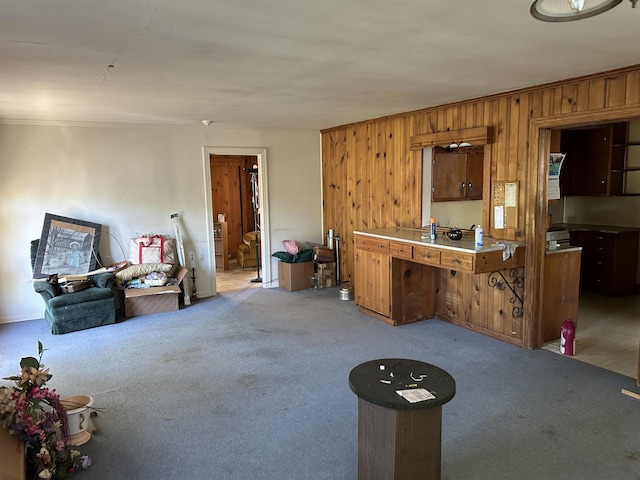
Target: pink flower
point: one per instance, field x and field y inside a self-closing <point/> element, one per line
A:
<point x="39" y="393"/>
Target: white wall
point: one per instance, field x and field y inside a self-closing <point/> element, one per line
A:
<point x="131" y="179"/>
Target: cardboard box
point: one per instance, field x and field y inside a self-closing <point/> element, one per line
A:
<point x="328" y="271"/>
<point x="11" y="457"/>
<point x="143" y="301"/>
<point x="294" y="276"/>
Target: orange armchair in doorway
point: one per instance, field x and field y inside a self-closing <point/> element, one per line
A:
<point x="247" y="250"/>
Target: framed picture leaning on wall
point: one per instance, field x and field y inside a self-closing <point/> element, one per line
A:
<point x="67" y="247"/>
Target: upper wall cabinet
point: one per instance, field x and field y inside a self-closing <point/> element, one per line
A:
<point x="600" y="161"/>
<point x="456" y="175"/>
<point x="631" y="173"/>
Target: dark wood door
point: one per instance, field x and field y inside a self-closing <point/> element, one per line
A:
<point x="475" y="164"/>
<point x="593" y="157"/>
<point x="448" y="176"/>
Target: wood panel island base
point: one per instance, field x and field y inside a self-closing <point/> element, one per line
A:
<point x="401" y="277"/>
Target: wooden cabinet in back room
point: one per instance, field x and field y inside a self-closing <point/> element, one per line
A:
<point x="609" y="260"/>
<point x="595" y="160"/>
<point x="456" y="175"/>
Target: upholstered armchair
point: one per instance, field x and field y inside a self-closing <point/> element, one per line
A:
<point x="247" y="250"/>
<point x="68" y="312"/>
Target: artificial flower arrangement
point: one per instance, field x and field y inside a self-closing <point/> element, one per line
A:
<point x="33" y="413"/>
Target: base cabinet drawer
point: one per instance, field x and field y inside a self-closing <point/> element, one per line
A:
<point x="401" y="250"/>
<point x="457" y="261"/>
<point x="371" y="244"/>
<point x="426" y="255"/>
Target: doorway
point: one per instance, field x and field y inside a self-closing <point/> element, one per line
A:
<point x="260" y="156"/>
<point x="231" y="198"/>
<point x="607" y="333"/>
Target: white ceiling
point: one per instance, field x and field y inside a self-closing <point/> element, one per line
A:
<point x="285" y="63"/>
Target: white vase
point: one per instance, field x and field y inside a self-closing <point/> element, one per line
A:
<point x="78" y="415"/>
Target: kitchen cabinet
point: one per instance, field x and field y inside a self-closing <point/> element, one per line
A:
<point x="609" y="260"/>
<point x="400" y="277"/>
<point x="631" y="171"/>
<point x="456" y="175"/>
<point x="595" y="162"/>
<point x="372" y="274"/>
<point x="390" y="284"/>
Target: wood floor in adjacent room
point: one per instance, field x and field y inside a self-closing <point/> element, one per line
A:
<point x="236" y="278"/>
<point x="607" y="332"/>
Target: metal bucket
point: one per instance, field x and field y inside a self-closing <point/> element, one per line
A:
<point x="346" y="293"/>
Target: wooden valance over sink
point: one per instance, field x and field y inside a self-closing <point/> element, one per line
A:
<point x="474" y="136"/>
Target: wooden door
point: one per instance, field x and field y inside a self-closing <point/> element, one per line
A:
<point x="448" y="176"/>
<point x="475" y="173"/>
<point x="231" y="195"/>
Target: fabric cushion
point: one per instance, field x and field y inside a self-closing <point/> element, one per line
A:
<point x="134" y="271"/>
<point x="88" y="295"/>
<point x="291" y="246"/>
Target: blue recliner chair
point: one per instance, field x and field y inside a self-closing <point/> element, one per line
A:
<point x="69" y="312"/>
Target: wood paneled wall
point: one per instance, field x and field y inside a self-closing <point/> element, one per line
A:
<point x="371" y="178"/>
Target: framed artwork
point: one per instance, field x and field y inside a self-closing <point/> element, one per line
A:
<point x="67" y="247"/>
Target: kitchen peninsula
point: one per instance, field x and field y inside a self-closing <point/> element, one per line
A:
<point x="402" y="276"/>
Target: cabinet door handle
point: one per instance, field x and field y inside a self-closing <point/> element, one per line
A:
<point x="469" y="185"/>
<point x="462" y="187"/>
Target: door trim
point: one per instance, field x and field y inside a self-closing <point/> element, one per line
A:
<point x="265" y="235"/>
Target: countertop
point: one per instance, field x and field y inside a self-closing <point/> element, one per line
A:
<point x="563" y="249"/>
<point x="592" y="228"/>
<point x="421" y="237"/>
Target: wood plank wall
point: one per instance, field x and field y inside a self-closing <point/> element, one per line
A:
<point x="371" y="179"/>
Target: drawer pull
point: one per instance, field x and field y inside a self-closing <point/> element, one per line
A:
<point x="456" y="260"/>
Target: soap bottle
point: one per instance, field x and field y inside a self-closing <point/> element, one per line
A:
<point x="479" y="234"/>
<point x="432" y="232"/>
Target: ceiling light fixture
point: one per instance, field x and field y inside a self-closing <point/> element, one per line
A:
<point x="458" y="145"/>
<point x="206" y="123"/>
<point x="570" y="10"/>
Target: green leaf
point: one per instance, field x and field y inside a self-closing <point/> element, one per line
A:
<point x="41" y="348"/>
<point x="27" y="362"/>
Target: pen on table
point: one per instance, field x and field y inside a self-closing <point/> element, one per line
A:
<point x="388" y="382"/>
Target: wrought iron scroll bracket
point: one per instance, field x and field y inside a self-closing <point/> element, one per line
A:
<point x="514" y="282"/>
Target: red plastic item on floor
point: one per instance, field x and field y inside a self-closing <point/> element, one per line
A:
<point x="568" y="338"/>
